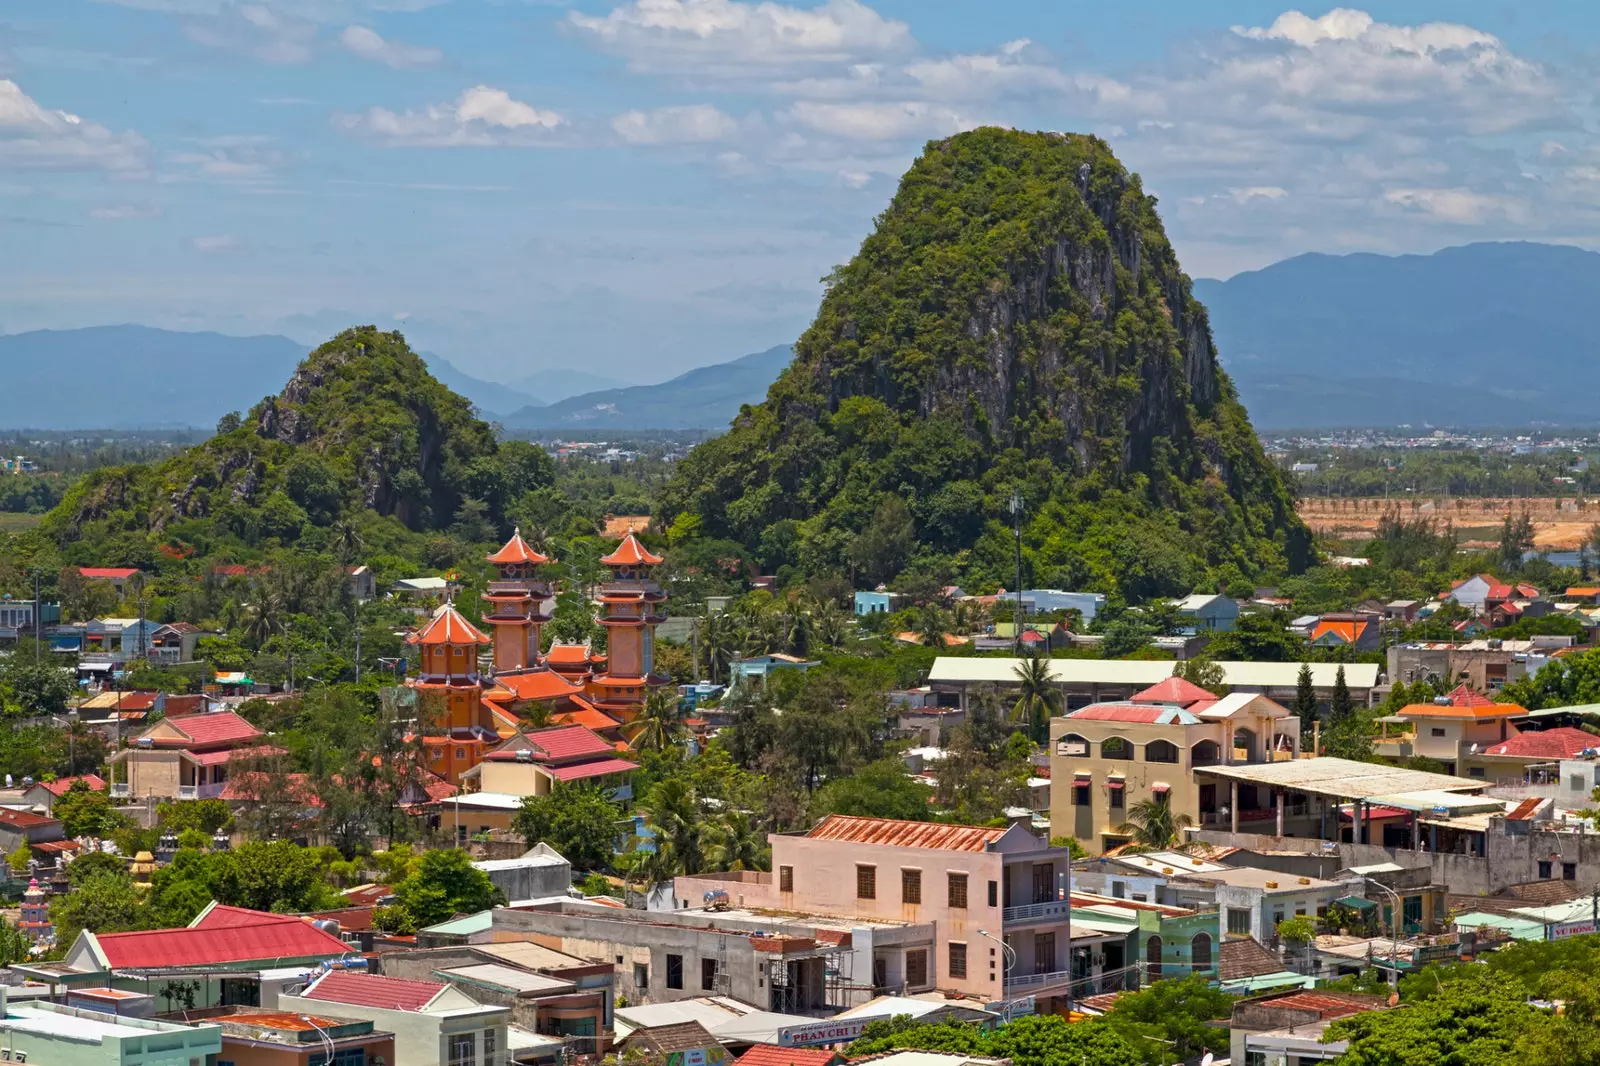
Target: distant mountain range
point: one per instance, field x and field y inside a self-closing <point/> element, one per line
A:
<point x="705" y="398"/>
<point x="1480" y="335"/>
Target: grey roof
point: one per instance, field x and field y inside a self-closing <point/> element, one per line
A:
<point x="1344" y="779"/>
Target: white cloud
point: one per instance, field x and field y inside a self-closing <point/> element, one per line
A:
<point x="729" y="38"/>
<point x="480" y="117"/>
<point x="880" y="122"/>
<point x="262" y="31"/>
<point x="34" y="137"/>
<point x="209" y="245"/>
<point x="366" y="43"/>
<point x="1257" y="192"/>
<point x="694" y="124"/>
<point x="126" y="212"/>
<point x="1460" y="206"/>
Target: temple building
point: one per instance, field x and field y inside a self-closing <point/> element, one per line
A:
<point x="457" y="724"/>
<point x="519" y="601"/>
<point x="35" y="919"/>
<point x="630" y="611"/>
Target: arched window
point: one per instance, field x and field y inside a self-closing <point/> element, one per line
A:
<point x="1244" y="745"/>
<point x="1152" y="957"/>
<point x="1200" y="953"/>
<point x="1072" y="744"/>
<point x="1161" y="751"/>
<point x="1116" y="748"/>
<point x="1205" y="753"/>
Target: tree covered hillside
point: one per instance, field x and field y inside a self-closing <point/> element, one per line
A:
<point x="362" y="438"/>
<point x="1017" y="321"/>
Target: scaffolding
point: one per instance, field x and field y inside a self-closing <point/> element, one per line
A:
<point x="805" y="981"/>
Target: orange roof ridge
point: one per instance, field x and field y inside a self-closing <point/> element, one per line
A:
<point x="895" y="832"/>
<point x="631" y="553"/>
<point x="448" y="627"/>
<point x="517" y="550"/>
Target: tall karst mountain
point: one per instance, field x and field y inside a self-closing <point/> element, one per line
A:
<point x="1017" y="321"/>
<point x="362" y="434"/>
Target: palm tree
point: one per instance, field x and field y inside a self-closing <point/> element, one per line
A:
<point x="659" y="724"/>
<point x="736" y="841"/>
<point x="346" y="537"/>
<point x="719" y="642"/>
<point x="932" y="625"/>
<point x="1153" y="826"/>
<point x="672" y="814"/>
<point x="1037" y="697"/>
<point x="830" y="624"/>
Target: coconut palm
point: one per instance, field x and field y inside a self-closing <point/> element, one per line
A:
<point x="830" y="625"/>
<point x="1037" y="697"/>
<point x="737" y="841"/>
<point x="719" y="642"/>
<point x="932" y="625"/>
<point x="672" y="815"/>
<point x="658" y="726"/>
<point x="345" y="538"/>
<point x="1152" y="825"/>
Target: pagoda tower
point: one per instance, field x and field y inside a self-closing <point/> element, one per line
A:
<point x="35" y="920"/>
<point x="465" y="725"/>
<point x="519" y="600"/>
<point x="630" y="610"/>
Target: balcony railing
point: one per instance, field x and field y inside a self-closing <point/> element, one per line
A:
<point x="622" y="792"/>
<point x="1038" y="980"/>
<point x="188" y="792"/>
<point x="1055" y="908"/>
<point x="211" y="791"/>
<point x="120" y="790"/>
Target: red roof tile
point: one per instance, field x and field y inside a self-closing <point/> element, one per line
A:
<point x="1564" y="742"/>
<point x="1156" y="714"/>
<point x="24" y="819"/>
<point x="448" y="627"/>
<point x="114" y="573"/>
<point x="568" y="741"/>
<point x="1325" y="1004"/>
<point x="517" y="550"/>
<point x="773" y="1055"/>
<point x="902" y="834"/>
<point x="223" y="916"/>
<point x="568" y="654"/>
<point x="372" y="990"/>
<point x="588" y="716"/>
<point x="631" y="553"/>
<point x="583" y="770"/>
<point x="270" y="939"/>
<point x="137" y="701"/>
<point x="221" y="727"/>
<point x="1174" y="690"/>
<point x="59" y="786"/>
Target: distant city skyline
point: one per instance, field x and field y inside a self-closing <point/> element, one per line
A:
<point x="638" y="187"/>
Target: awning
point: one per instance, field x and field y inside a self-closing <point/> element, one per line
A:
<point x="1160" y="786"/>
<point x="1113" y="784"/>
<point x="95" y="668"/>
<point x="1356" y="903"/>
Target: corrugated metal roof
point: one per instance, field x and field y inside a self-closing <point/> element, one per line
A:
<point x="1343" y="778"/>
<point x="1134" y="712"/>
<point x="372" y="990"/>
<point x="895" y="833"/>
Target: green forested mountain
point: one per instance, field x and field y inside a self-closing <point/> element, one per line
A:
<point x="1017" y="321"/>
<point x="361" y="434"/>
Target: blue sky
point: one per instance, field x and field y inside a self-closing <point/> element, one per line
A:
<point x="637" y="187"/>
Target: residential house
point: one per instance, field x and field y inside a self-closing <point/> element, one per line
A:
<point x="433" y="1022"/>
<point x="877" y="602"/>
<point x="1406" y="611"/>
<point x="1454" y="729"/>
<point x="1287" y="1027"/>
<point x="1208" y="612"/>
<point x="1481" y="593"/>
<point x="1049" y="601"/>
<point x="1245" y="967"/>
<point x="19" y="616"/>
<point x="961" y="879"/>
<point x="1108" y="757"/>
<point x="118" y="640"/>
<point x="245" y="954"/>
<point x="42" y="795"/>
<point x="684" y="1042"/>
<point x="188" y="757"/>
<point x="1487" y="665"/>
<point x="115" y="576"/>
<point x="760" y="667"/>
<point x="533" y="762"/>
<point x="255" y="1037"/>
<point x="44" y="836"/>
<point x="537" y="873"/>
<point x="1347" y="629"/>
<point x="548" y="991"/>
<point x="174" y="643"/>
<point x="130" y="708"/>
<point x="51" y="1034"/>
<point x="362" y="583"/>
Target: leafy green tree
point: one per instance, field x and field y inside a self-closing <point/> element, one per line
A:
<point x="85" y="813"/>
<point x="1480" y="1017"/>
<point x="206" y="816"/>
<point x="90" y="863"/>
<point x="1040" y="1040"/>
<point x="1305" y="701"/>
<point x="1203" y="672"/>
<point x="660" y="723"/>
<point x="446" y="884"/>
<point x="36" y="690"/>
<point x="578" y="821"/>
<point x="879" y="789"/>
<point x="737" y="841"/>
<point x="1340" y="706"/>
<point x="272" y="875"/>
<point x="101" y="903"/>
<point x="1258" y="638"/>
<point x="1171" y="1020"/>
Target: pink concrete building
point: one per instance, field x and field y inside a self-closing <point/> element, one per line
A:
<point x="998" y="900"/>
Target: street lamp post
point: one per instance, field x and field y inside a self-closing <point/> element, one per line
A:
<point x="327" y="1041"/>
<point x="1394" y="930"/>
<point x="1009" y="954"/>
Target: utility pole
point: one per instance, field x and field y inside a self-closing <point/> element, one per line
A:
<point x="38" y="618"/>
<point x="358" y="644"/>
<point x="1016" y="528"/>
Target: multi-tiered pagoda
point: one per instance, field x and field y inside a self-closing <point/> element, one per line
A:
<point x="631" y="608"/>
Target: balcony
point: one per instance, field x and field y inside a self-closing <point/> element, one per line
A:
<point x="120" y="790"/>
<point x="622" y="792"/>
<point x="1051" y="910"/>
<point x="1034" y="981"/>
<point x="211" y="791"/>
<point x="188" y="792"/>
